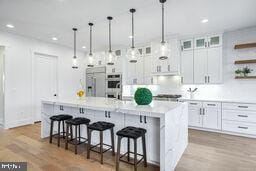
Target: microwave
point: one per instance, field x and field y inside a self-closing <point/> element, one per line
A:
<point x="114" y="81"/>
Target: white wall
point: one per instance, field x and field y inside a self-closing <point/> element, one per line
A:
<point x="1" y="86"/>
<point x="18" y="75"/>
<point x="231" y="88"/>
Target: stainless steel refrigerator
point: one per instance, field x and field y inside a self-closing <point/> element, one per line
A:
<point x="96" y="82"/>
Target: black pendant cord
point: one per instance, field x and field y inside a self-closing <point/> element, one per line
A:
<point x="163" y="23"/>
<point x="132" y="11"/>
<point x="109" y="34"/>
<point x="74" y="29"/>
<point x="90" y="24"/>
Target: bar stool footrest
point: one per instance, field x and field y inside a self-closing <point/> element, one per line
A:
<point x="92" y="148"/>
<point x="74" y="141"/>
<point x="126" y="161"/>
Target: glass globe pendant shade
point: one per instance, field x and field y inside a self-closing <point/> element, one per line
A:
<point x="133" y="55"/>
<point x="163" y="51"/>
<point x="75" y="63"/>
<point x="90" y="60"/>
<point x="110" y="58"/>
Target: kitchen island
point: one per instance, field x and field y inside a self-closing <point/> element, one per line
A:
<point x="166" y="124"/>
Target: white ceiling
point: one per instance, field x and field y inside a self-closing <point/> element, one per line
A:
<point x="43" y="19"/>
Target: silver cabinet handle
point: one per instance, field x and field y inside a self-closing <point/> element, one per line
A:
<point x="243" y="116"/>
<point x="243" y="106"/>
<point x="106" y="114"/>
<point x="242" y="127"/>
<point x="145" y="119"/>
<point x="62" y="108"/>
<point x="200" y="111"/>
<point x="140" y="119"/>
<point x="208" y="79"/>
<point x="152" y="80"/>
<point x="160" y="69"/>
<point x="211" y="104"/>
<point x="193" y="103"/>
<point x="169" y="68"/>
<point x="181" y="80"/>
<point x="109" y="116"/>
<point x="203" y="111"/>
<point x="205" y="79"/>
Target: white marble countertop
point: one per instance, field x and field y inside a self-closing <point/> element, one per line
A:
<point x="251" y="101"/>
<point x="105" y="104"/>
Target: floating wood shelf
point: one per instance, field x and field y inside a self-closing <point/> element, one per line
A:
<point x="248" y="77"/>
<point x="250" y="61"/>
<point x="247" y="45"/>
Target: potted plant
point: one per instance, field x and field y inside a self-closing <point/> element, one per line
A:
<point x="238" y="72"/>
<point x="246" y="71"/>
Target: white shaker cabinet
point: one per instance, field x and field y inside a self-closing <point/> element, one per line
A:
<point x="204" y="115"/>
<point x="203" y="55"/>
<point x="187" y="69"/>
<point x="117" y="67"/>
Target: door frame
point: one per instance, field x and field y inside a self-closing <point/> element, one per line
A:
<point x="33" y="56"/>
<point x="3" y="125"/>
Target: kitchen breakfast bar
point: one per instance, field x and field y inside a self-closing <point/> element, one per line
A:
<point x="166" y="124"/>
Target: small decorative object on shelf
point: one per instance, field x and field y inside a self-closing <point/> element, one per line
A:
<point x="143" y="96"/>
<point x="246" y="71"/>
<point x="238" y="72"/>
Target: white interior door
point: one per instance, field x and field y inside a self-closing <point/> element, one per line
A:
<point x="45" y="81"/>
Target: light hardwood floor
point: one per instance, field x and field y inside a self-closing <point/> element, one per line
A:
<point x="205" y="152"/>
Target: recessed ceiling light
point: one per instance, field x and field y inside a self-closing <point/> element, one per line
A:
<point x="84" y="47"/>
<point x="130" y="37"/>
<point x="204" y="21"/>
<point x="54" y="38"/>
<point x="9" y="25"/>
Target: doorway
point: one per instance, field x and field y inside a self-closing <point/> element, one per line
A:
<point x="44" y="81"/>
<point x="1" y="86"/>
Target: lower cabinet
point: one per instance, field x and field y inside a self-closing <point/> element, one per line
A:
<point x="204" y="114"/>
<point x="239" y="118"/>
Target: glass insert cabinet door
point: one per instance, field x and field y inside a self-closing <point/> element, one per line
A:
<point x="215" y="40"/>
<point x="200" y="42"/>
<point x="187" y="44"/>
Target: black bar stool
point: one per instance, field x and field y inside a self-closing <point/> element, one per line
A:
<point x="77" y="140"/>
<point x="131" y="133"/>
<point x="59" y="119"/>
<point x="100" y="126"/>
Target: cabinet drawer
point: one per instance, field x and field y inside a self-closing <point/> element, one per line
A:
<point x="239" y="115"/>
<point x="193" y="104"/>
<point x="211" y="104"/>
<point x="239" y="106"/>
<point x="239" y="127"/>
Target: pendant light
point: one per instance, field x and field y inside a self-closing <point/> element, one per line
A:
<point x="164" y="49"/>
<point x="75" y="63"/>
<point x="90" y="55"/>
<point x="110" y="56"/>
<point x="133" y="53"/>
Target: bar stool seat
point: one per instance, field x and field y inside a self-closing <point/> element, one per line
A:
<point x="58" y="118"/>
<point x="131" y="133"/>
<point x="77" y="140"/>
<point x="101" y="126"/>
<point x="78" y="121"/>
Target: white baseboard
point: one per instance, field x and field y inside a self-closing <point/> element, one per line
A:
<point x="18" y="123"/>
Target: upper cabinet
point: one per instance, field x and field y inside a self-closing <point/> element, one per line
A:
<point x="203" y="63"/>
<point x="187" y="44"/>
